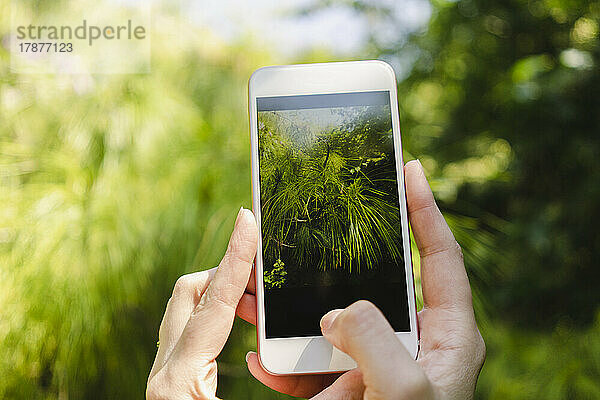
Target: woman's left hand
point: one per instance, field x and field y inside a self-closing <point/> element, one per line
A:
<point x="199" y="318"/>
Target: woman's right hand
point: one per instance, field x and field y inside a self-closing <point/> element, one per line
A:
<point x="452" y="350"/>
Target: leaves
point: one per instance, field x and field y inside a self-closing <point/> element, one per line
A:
<point x="275" y="278"/>
<point x="329" y="201"/>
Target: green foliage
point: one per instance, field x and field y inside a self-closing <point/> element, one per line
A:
<point x="275" y="278"/>
<point x="501" y="106"/>
<point x="327" y="202"/>
<point x="531" y="365"/>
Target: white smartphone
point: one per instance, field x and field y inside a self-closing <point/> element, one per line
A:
<point x="329" y="199"/>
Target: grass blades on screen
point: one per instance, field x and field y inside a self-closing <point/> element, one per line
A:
<point x="329" y="194"/>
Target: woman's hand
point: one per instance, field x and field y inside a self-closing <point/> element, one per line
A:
<point x="199" y="318"/>
<point x="452" y="351"/>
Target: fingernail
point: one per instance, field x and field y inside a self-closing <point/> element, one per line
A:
<point x="422" y="170"/>
<point x="328" y="319"/>
<point x="238" y="215"/>
<point x="420" y="165"/>
<point x="248" y="356"/>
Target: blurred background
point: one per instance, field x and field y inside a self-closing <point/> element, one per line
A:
<point x="112" y="186"/>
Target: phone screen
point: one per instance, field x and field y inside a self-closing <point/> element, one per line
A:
<point x="330" y="217"/>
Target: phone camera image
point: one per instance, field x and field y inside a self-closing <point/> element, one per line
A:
<point x="330" y="217"/>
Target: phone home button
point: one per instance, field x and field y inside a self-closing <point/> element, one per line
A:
<point x="316" y="356"/>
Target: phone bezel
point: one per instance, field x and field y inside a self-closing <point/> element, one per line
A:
<point x="280" y="356"/>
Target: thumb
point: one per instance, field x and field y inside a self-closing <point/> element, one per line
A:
<point x="362" y="332"/>
<point x="210" y="323"/>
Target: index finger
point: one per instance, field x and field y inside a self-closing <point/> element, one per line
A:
<point x="362" y="332"/>
<point x="443" y="275"/>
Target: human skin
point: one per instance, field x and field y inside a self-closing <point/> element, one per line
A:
<point x="200" y="315"/>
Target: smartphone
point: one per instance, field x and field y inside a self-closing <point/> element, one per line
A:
<point x="329" y="199"/>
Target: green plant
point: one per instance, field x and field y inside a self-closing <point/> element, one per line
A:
<point x="275" y="278"/>
<point x="330" y="201"/>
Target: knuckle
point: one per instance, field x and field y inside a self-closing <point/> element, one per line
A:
<point x="228" y="295"/>
<point x="225" y="296"/>
<point x="480" y="349"/>
<point x="421" y="204"/>
<point x="235" y="256"/>
<point x="363" y="307"/>
<point x="457" y="249"/>
<point x="183" y="286"/>
<point x="191" y="285"/>
<point x="359" y="316"/>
